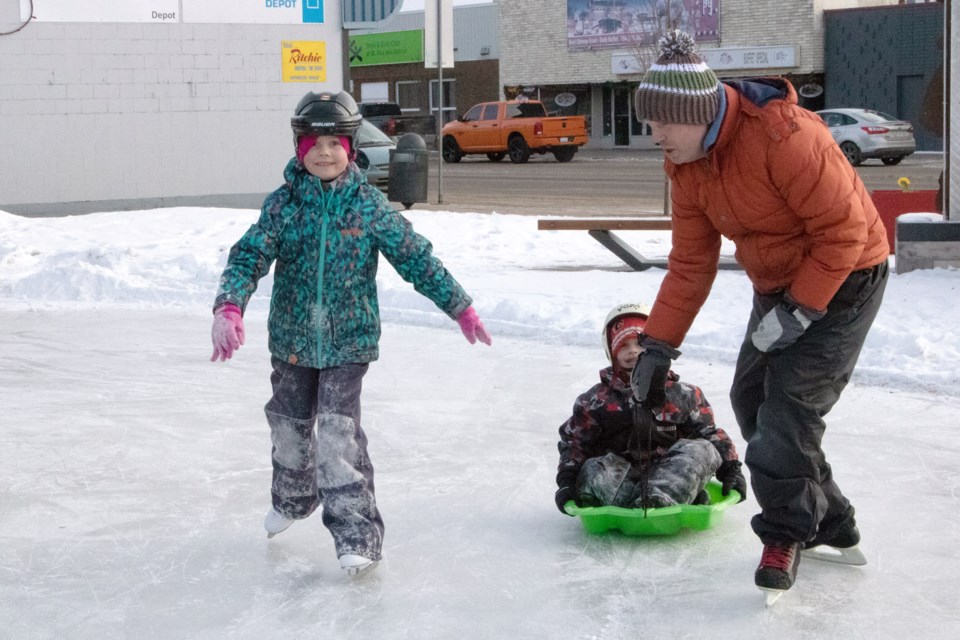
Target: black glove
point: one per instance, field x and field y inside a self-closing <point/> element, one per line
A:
<point x="563" y="495"/>
<point x="731" y="477"/>
<point x="783" y="325"/>
<point x="649" y="375"/>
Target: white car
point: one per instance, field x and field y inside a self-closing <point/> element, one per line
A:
<point x="863" y="133"/>
<point x="376" y="145"/>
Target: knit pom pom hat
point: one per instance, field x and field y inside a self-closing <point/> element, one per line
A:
<point x="679" y="88"/>
<point x="620" y="331"/>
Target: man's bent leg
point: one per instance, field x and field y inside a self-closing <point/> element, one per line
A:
<point x="791" y="478"/>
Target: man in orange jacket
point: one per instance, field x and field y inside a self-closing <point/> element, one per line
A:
<point x="747" y="163"/>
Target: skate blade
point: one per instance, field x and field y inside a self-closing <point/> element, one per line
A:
<point x="270" y="534"/>
<point x="356" y="571"/>
<point x="772" y="595"/>
<point x="851" y="555"/>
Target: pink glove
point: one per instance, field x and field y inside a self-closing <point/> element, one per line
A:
<point x="472" y="328"/>
<point x="227" y="332"/>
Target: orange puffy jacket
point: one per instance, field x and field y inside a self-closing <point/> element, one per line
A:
<point x="778" y="186"/>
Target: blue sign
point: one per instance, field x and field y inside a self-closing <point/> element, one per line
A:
<point x="312" y="11"/>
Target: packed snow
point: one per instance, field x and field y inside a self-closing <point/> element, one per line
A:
<point x="135" y="473"/>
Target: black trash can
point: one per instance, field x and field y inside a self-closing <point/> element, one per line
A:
<point x="409" y="164"/>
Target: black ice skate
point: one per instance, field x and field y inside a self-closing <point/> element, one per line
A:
<point x="778" y="569"/>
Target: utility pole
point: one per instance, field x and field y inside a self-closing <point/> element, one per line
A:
<point x="439" y="102"/>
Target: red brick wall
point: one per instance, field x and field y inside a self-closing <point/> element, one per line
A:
<point x="476" y="81"/>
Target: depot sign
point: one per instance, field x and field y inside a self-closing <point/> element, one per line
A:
<point x="209" y="11"/>
<point x="102" y="11"/>
<point x="255" y="11"/>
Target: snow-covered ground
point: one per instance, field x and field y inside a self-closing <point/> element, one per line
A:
<point x="134" y="473"/>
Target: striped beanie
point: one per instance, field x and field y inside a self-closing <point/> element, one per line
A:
<point x="679" y="88"/>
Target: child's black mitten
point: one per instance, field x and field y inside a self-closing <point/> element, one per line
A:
<point x="563" y="495"/>
<point x="649" y="376"/>
<point x="731" y="477"/>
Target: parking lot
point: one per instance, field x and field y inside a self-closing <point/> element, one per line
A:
<point x="603" y="183"/>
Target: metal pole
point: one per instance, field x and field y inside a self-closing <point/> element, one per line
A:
<point x="439" y="102"/>
<point x="949" y="144"/>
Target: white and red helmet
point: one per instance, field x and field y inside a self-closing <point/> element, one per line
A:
<point x="617" y="327"/>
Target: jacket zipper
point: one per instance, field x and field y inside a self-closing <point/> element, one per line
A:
<point x="323" y="256"/>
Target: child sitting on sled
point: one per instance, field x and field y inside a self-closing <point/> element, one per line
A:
<point x="615" y="452"/>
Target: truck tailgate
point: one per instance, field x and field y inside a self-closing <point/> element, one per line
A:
<point x="563" y="127"/>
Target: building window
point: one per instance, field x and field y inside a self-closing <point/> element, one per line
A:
<point x="374" y="92"/>
<point x="449" y="99"/>
<point x="408" y="95"/>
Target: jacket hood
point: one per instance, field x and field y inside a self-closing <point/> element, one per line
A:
<point x="760" y="91"/>
<point x="749" y="98"/>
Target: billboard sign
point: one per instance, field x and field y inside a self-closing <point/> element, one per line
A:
<point x="617" y="24"/>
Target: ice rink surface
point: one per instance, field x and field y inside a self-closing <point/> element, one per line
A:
<point x="134" y="476"/>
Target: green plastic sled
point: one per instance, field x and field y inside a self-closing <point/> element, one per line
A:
<point x="656" y="522"/>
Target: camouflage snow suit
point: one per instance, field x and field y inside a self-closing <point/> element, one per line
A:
<point x="612" y="461"/>
<point x="324" y="329"/>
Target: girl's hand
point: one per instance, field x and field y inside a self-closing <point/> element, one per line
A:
<point x="472" y="327"/>
<point x="227" y="333"/>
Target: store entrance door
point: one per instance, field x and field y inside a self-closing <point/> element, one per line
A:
<point x="621" y="116"/>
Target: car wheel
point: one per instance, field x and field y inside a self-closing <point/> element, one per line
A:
<point x="496" y="157"/>
<point x="519" y="151"/>
<point x="451" y="150"/>
<point x="891" y="161"/>
<point x="852" y="152"/>
<point x="564" y="154"/>
<point x="407" y="205"/>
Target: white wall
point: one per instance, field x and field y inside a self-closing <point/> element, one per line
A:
<point x="137" y="112"/>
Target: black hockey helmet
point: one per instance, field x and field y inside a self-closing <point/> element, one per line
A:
<point x="326" y="114"/>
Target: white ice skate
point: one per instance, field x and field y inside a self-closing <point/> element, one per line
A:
<point x="842" y="548"/>
<point x="355" y="565"/>
<point x="839" y="555"/>
<point x="276" y="522"/>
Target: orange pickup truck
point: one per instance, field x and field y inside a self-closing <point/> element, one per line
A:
<point x="513" y="128"/>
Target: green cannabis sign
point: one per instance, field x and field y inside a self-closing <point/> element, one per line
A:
<point x="393" y="47"/>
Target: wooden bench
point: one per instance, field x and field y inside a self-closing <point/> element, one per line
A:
<point x="602" y="230"/>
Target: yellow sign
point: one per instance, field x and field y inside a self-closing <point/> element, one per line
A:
<point x="304" y="61"/>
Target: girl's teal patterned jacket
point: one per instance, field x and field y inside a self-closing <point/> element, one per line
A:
<point x="324" y="310"/>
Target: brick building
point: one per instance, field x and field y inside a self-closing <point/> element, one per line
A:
<point x="580" y="49"/>
<point x="474" y="77"/>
